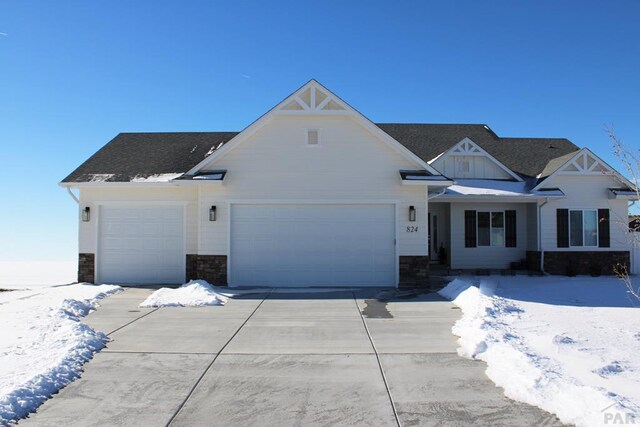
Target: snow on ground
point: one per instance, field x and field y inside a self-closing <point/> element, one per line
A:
<point x="43" y="343"/>
<point x="31" y="274"/>
<point x="196" y="293"/>
<point x="570" y="346"/>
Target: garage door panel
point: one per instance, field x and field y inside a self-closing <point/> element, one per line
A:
<point x="298" y="245"/>
<point x="141" y="244"/>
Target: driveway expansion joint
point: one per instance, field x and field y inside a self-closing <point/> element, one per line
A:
<point x="375" y="350"/>
<point x="134" y="320"/>
<point x="175" y="414"/>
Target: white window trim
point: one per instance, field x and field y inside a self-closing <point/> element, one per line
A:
<point x="306" y="137"/>
<point x="583" y="229"/>
<point x="504" y="227"/>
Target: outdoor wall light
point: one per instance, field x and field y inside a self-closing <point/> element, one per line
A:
<point x="412" y="213"/>
<point x="212" y="213"/>
<point x="86" y="214"/>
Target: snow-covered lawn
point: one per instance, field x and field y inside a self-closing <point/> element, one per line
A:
<point x="43" y="343"/>
<point x="570" y="346"/>
<point x="32" y="274"/>
<point x="196" y="293"/>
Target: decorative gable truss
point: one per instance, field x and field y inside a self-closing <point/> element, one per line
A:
<point x="585" y="163"/>
<point x="467" y="160"/>
<point x="313" y="100"/>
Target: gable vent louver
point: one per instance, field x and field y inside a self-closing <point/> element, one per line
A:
<point x="312" y="137"/>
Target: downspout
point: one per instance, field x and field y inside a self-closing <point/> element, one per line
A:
<point x="540" y="234"/>
<point x="434" y="195"/>
<point x="73" y="196"/>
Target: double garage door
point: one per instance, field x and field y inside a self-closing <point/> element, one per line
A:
<point x="273" y="245"/>
<point x="312" y="245"/>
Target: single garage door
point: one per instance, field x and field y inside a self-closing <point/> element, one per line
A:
<point x="141" y="245"/>
<point x="313" y="245"/>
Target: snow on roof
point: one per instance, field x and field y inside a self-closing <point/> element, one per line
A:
<point x="424" y="178"/>
<point x="210" y="176"/>
<point x="100" y="177"/>
<point x="487" y="187"/>
<point x="161" y="177"/>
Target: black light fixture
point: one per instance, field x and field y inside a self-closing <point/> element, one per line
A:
<point x="212" y="213"/>
<point x="86" y="214"/>
<point x="412" y="213"/>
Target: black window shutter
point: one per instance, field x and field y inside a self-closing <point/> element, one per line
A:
<point x="510" y="229"/>
<point x="604" y="231"/>
<point x="562" y="227"/>
<point x="470" y="240"/>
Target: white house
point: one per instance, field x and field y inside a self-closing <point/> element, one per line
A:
<point x="313" y="193"/>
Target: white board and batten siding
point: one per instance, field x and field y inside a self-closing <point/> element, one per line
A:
<point x="470" y="167"/>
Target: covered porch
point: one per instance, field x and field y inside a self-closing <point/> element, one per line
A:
<point x="483" y="226"/>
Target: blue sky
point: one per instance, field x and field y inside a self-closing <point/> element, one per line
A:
<point x="73" y="74"/>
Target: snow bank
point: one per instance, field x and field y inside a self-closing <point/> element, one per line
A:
<point x="43" y="343"/>
<point x="545" y="347"/>
<point x="196" y="293"/>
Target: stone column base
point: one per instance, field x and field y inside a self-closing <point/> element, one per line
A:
<point x="414" y="270"/>
<point x="212" y="268"/>
<point x="86" y="268"/>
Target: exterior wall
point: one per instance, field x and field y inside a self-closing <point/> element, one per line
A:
<point x="497" y="257"/>
<point x="349" y="165"/>
<point x="480" y="167"/>
<point x="585" y="192"/>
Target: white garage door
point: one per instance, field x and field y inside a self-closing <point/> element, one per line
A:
<point x="141" y="245"/>
<point x="313" y="245"/>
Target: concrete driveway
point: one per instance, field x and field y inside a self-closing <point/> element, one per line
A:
<point x="289" y="359"/>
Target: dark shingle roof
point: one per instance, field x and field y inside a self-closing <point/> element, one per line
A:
<point x="524" y="156"/>
<point x="144" y="154"/>
<point x="131" y="155"/>
<point x="555" y="164"/>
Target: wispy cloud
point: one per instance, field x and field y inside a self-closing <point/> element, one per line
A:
<point x="3" y="34"/>
<point x="246" y="76"/>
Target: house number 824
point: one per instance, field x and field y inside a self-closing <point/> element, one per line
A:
<point x="412" y="229"/>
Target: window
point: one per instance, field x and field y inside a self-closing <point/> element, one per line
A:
<point x="491" y="229"/>
<point x="583" y="228"/>
<point x="313" y="136"/>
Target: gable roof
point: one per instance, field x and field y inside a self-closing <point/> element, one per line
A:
<point x="524" y="156"/>
<point x="131" y="155"/>
<point x="556" y="166"/>
<point x="305" y="101"/>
